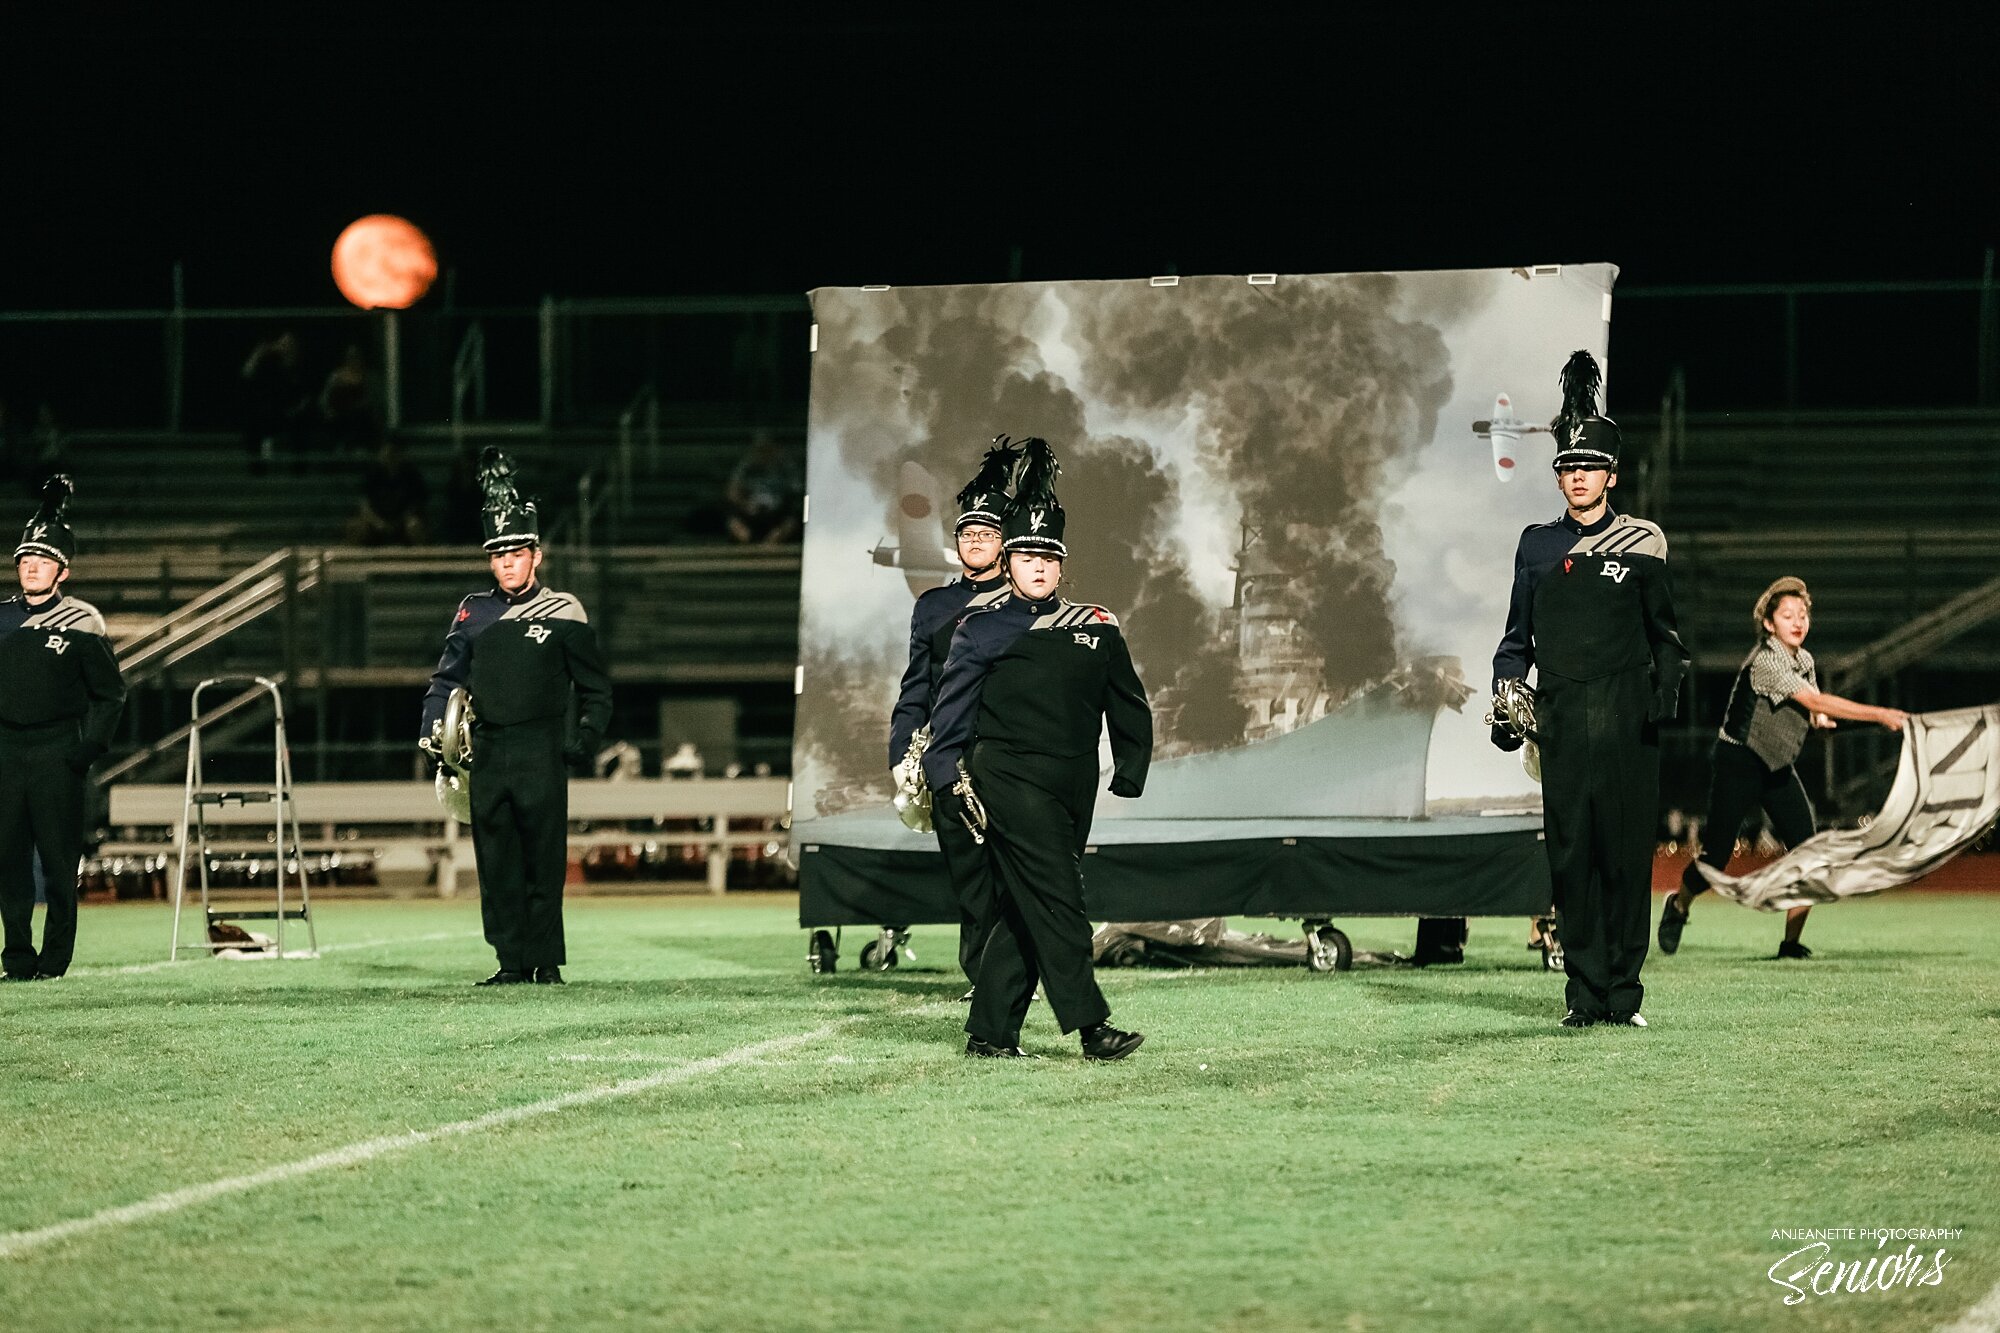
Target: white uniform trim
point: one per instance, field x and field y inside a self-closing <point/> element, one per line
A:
<point x="547" y="605"/>
<point x="71" y="614"/>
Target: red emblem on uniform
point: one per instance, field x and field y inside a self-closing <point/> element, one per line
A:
<point x="1099" y="613"/>
<point x="1567" y="564"/>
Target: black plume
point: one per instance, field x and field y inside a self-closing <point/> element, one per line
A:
<point x="1581" y="380"/>
<point x="55" y="498"/>
<point x="1036" y="477"/>
<point x="496" y="476"/>
<point x="994" y="473"/>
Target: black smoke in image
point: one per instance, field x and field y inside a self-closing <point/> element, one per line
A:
<point x="1310" y="398"/>
<point x="1313" y="399"/>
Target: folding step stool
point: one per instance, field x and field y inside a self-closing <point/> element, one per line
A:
<point x="198" y="799"/>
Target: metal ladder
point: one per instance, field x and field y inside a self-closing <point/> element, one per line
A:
<point x="198" y="799"/>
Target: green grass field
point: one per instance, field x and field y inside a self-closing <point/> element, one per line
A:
<point x="755" y="1147"/>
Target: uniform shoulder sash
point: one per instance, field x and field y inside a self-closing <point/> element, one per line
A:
<point x="1075" y="614"/>
<point x="548" y="604"/>
<point x="68" y="614"/>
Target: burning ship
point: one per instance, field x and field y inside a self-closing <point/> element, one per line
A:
<point x="1308" y="753"/>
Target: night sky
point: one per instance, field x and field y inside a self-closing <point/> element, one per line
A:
<point x="548" y="153"/>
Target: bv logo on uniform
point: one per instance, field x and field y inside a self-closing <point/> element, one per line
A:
<point x="1614" y="571"/>
<point x="57" y="642"/>
<point x="539" y="633"/>
<point x="1086" y="640"/>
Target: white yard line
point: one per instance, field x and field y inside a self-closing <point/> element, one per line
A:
<point x="13" y="1244"/>
<point x="1981" y="1318"/>
<point x="133" y="969"/>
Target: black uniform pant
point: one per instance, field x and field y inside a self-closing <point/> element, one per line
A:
<point x="1738" y="784"/>
<point x="966" y="862"/>
<point x="1600" y="793"/>
<point x="520" y="837"/>
<point x="41" y="811"/>
<point x="1038" y="811"/>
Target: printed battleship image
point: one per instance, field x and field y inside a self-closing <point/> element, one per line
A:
<point x="1307" y="754"/>
<point x="1319" y="812"/>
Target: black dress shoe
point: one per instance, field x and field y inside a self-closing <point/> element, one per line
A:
<point x="20" y="976"/>
<point x="549" y="976"/>
<point x="1673" y="920"/>
<point x="504" y="977"/>
<point x="1793" y="949"/>
<point x="986" y="1050"/>
<point x="1578" y="1019"/>
<point x="1104" y="1042"/>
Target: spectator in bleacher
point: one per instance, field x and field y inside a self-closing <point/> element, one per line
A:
<point x="394" y="497"/>
<point x="764" y="495"/>
<point x="50" y="443"/>
<point x="1774" y="703"/>
<point x="347" y="407"/>
<point x="274" y="399"/>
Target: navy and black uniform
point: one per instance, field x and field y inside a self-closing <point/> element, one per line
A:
<point x="520" y="657"/>
<point x="1592" y="612"/>
<point x="58" y="709"/>
<point x="933" y="621"/>
<point x="1763" y="729"/>
<point x="1027" y="689"/>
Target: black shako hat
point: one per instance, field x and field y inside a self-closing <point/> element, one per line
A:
<point x="1034" y="520"/>
<point x="47" y="533"/>
<point x="984" y="499"/>
<point x="1583" y="437"/>
<point x="508" y="521"/>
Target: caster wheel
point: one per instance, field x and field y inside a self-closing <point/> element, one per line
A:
<point x="820" y="953"/>
<point x="1329" y="950"/>
<point x="877" y="956"/>
<point x="1552" y="959"/>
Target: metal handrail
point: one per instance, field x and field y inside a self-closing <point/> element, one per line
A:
<point x="468" y="375"/>
<point x="609" y="484"/>
<point x="204" y="621"/>
<point x="177" y="738"/>
<point x="1916" y="639"/>
<point x="201" y="602"/>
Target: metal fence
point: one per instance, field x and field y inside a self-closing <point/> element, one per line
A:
<point x="1746" y="346"/>
<point x="563" y="361"/>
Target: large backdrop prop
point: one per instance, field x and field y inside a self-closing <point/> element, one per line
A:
<point x="1300" y="494"/>
<point x="1946" y="794"/>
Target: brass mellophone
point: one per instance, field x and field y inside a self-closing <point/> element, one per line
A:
<point x="913" y="795"/>
<point x="975" y="809"/>
<point x="1514" y="710"/>
<point x="450" y="743"/>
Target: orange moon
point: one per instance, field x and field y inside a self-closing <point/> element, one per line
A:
<point x="383" y="262"/>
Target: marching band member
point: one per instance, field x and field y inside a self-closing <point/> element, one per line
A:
<point x="1028" y="685"/>
<point x="933" y="620"/>
<point x="1775" y="701"/>
<point x="521" y="649"/>
<point x="1592" y="612"/>
<point x="62" y="698"/>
